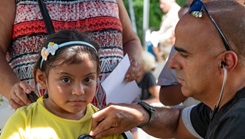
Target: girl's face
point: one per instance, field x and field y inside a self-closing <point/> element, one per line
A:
<point x="71" y="87"/>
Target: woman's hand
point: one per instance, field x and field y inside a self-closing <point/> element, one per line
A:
<point x="134" y="71"/>
<point x="131" y="44"/>
<point x="18" y="95"/>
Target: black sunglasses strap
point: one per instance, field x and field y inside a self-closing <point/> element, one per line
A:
<point x="46" y="17"/>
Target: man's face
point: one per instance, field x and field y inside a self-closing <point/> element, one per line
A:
<point x="195" y="61"/>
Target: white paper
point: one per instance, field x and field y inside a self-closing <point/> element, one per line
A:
<point x="118" y="91"/>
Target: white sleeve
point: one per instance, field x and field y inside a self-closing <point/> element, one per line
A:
<point x="187" y="121"/>
<point x="167" y="75"/>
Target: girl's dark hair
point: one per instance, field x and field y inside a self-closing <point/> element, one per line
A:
<point x="67" y="54"/>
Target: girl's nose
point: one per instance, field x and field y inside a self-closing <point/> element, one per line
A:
<point x="78" y="89"/>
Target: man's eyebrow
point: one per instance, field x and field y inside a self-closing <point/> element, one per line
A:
<point x="180" y="50"/>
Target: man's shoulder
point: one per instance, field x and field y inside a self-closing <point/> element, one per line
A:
<point x="230" y="123"/>
<point x="238" y="109"/>
<point x="236" y="106"/>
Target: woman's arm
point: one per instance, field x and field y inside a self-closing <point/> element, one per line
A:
<point x="11" y="87"/>
<point x="7" y="16"/>
<point x="131" y="44"/>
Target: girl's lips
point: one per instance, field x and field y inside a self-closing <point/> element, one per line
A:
<point x="76" y="102"/>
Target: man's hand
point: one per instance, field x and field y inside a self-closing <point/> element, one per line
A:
<point x="116" y="119"/>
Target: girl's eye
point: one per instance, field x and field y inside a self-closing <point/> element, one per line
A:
<point x="87" y="80"/>
<point x="66" y="80"/>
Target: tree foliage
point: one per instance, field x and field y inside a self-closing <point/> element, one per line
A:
<point x="155" y="14"/>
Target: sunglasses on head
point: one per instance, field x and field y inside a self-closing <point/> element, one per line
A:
<point x="196" y="9"/>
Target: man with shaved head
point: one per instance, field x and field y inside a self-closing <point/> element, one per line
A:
<point x="210" y="66"/>
<point x="170" y="92"/>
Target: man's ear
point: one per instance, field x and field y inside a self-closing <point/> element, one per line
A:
<point x="229" y="60"/>
<point x="41" y="78"/>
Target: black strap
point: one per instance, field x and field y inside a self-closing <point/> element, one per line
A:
<point x="46" y="17"/>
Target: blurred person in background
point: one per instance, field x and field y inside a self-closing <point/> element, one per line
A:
<point x="155" y="51"/>
<point x="146" y="81"/>
<point x="163" y="38"/>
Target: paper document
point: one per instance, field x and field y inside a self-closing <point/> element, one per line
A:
<point x="118" y="91"/>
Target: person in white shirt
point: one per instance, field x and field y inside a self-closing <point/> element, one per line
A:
<point x="165" y="35"/>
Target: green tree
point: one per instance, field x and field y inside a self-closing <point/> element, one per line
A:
<point x="155" y="14"/>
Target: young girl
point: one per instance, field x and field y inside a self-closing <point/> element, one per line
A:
<point x="68" y="69"/>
